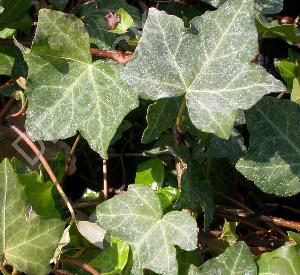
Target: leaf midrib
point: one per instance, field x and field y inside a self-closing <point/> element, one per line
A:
<point x="294" y="146"/>
<point x="224" y="34"/>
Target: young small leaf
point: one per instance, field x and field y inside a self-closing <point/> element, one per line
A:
<point x="209" y="64"/>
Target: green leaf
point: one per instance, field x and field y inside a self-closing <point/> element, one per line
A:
<point x="113" y="259"/>
<point x="12" y="62"/>
<point x="137" y="218"/>
<point x="186" y="259"/>
<point x="196" y="194"/>
<point x="287" y="32"/>
<point x="272" y="161"/>
<point x="42" y="195"/>
<point x="262" y="6"/>
<point x="167" y="196"/>
<point x="27" y="240"/>
<point x="295" y="96"/>
<point x="287" y="70"/>
<point x="228" y="232"/>
<point x="161" y="115"/>
<point x="233" y="148"/>
<point x="218" y="80"/>
<point x="66" y="91"/>
<point x="125" y="23"/>
<point x="294" y="236"/>
<point x="150" y="173"/>
<point x="284" y="260"/>
<point x="15" y="15"/>
<point x="59" y="4"/>
<point x="93" y="14"/>
<point x="236" y="260"/>
<point x="7" y="33"/>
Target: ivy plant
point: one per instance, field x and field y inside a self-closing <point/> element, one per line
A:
<point x="136" y="141"/>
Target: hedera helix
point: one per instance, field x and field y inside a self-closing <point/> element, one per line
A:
<point x="201" y="81"/>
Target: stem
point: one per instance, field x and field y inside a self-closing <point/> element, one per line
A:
<point x="6" y="107"/>
<point x="46" y="165"/>
<point x="71" y="154"/>
<point x="105" y="179"/>
<point x="81" y="264"/>
<point x="20" y="112"/>
<point x="119" y="56"/>
<point x="177" y="132"/>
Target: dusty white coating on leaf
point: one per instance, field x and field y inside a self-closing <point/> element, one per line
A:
<point x="137" y="218"/>
<point x="273" y="161"/>
<point x="66" y="91"/>
<point x="209" y="63"/>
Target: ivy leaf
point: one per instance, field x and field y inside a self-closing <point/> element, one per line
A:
<point x="66" y="91"/>
<point x="287" y="32"/>
<point x="272" y="161"/>
<point x="23" y="236"/>
<point x="196" y="194"/>
<point x="150" y="173"/>
<point x="295" y="96"/>
<point x="262" y="6"/>
<point x="15" y="18"/>
<point x="284" y="260"/>
<point x="137" y="218"/>
<point x="59" y="4"/>
<point x="161" y="115"/>
<point x="236" y="260"/>
<point x="218" y="80"/>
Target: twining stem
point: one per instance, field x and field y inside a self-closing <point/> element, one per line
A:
<point x="81" y="264"/>
<point x="46" y="165"/>
<point x="177" y="132"/>
<point x="105" y="179"/>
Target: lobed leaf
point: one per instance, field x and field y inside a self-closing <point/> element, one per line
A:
<point x="67" y="91"/>
<point x="209" y="64"/>
<point x="137" y="218"/>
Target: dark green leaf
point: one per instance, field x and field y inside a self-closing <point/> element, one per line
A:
<point x="287" y="32"/>
<point x="161" y="115"/>
<point x="272" y="161"/>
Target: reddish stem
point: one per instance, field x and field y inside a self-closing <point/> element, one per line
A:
<point x="81" y="264"/>
<point x="6" y="107"/>
<point x="46" y="165"/>
<point x="121" y="57"/>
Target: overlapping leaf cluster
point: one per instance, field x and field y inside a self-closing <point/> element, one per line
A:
<point x="203" y="91"/>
